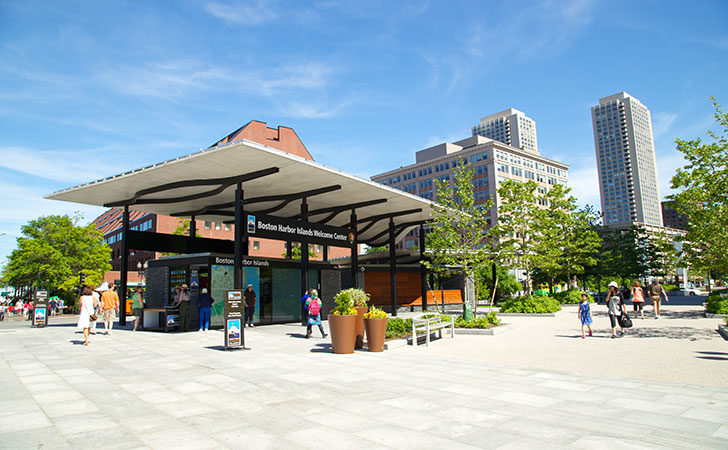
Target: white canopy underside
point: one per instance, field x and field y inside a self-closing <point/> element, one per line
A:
<point x="241" y="157"/>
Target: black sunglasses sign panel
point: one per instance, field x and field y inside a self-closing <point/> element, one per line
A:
<point x="264" y="226"/>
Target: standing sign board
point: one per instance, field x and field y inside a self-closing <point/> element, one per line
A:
<point x="40" y="309"/>
<point x="233" y="316"/>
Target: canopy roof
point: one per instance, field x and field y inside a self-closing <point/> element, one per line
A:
<point x="274" y="182"/>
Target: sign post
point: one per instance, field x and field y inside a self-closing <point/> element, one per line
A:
<point x="233" y="315"/>
<point x="40" y="309"/>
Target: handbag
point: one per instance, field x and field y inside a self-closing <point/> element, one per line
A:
<point x="625" y="321"/>
<point x="93" y="317"/>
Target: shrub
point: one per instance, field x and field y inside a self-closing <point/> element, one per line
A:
<point x="570" y="297"/>
<point x="530" y="305"/>
<point x="397" y="328"/>
<point x="670" y="287"/>
<point x="716" y="304"/>
<point x="485" y="321"/>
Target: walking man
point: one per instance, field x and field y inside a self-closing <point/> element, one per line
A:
<point x="110" y="305"/>
<point x="656" y="291"/>
<point x="250" y="300"/>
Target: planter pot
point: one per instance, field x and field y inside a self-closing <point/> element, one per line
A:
<point x="376" y="331"/>
<point x="360" y="326"/>
<point x="342" y="330"/>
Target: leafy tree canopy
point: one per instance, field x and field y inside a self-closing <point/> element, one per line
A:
<point x="53" y="250"/>
<point x="703" y="197"/>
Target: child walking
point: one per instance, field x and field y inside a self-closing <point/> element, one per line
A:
<point x="585" y="315"/>
<point x="313" y="305"/>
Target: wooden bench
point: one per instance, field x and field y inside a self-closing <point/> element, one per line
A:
<point x="429" y="322"/>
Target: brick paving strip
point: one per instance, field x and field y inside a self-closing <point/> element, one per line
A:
<point x="537" y="385"/>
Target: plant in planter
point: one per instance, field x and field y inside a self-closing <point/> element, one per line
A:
<point x="342" y="323"/>
<point x="375" y="323"/>
<point x="359" y="299"/>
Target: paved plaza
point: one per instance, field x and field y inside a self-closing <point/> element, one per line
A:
<point x="538" y="385"/>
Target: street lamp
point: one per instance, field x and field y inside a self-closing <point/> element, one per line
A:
<point x="142" y="269"/>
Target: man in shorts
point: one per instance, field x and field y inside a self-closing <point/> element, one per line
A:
<point x="656" y="292"/>
<point x="110" y="305"/>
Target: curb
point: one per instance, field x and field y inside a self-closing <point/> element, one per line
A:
<point x="487" y="331"/>
<point x="723" y="331"/>
<point x="715" y="316"/>
<point x="527" y="314"/>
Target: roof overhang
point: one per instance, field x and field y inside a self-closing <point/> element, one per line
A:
<point x="203" y="184"/>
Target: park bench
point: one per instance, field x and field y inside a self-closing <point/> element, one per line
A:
<point x="429" y="322"/>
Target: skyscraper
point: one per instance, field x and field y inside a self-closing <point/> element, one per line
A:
<point x="511" y="127"/>
<point x="626" y="161"/>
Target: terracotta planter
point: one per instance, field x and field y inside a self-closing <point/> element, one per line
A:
<point x="360" y="310"/>
<point x="342" y="330"/>
<point x="376" y="332"/>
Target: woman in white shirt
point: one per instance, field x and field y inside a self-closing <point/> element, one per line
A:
<point x="86" y="306"/>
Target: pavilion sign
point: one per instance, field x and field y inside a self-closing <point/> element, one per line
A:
<point x="261" y="225"/>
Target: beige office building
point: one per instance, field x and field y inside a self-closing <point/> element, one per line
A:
<point x="625" y="153"/>
<point x="511" y="127"/>
<point x="492" y="161"/>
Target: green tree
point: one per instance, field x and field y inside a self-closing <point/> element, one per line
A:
<point x="517" y="235"/>
<point x="376" y="249"/>
<point x="661" y="255"/>
<point x="296" y="251"/>
<point x="456" y="237"/>
<point x="52" y="252"/>
<point x="183" y="229"/>
<point x="702" y="196"/>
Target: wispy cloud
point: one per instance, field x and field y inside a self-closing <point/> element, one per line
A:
<point x="68" y="166"/>
<point x="662" y="122"/>
<point x="527" y="32"/>
<point x="243" y="13"/>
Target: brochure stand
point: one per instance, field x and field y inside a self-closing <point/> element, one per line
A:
<point x="233" y="317"/>
<point x="40" y="310"/>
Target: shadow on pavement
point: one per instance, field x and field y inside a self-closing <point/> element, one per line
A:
<point x="691" y="334"/>
<point x="223" y="349"/>
<point x="713" y="353"/>
<point x="322" y="348"/>
<point x="296" y="335"/>
<point x="713" y="358"/>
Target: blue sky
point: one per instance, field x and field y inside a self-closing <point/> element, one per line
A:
<point x="93" y="88"/>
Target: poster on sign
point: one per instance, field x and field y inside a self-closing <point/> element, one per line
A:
<point x="40" y="309"/>
<point x="233" y="313"/>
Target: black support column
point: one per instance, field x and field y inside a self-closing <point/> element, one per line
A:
<point x="124" y="265"/>
<point x="423" y="269"/>
<point x="193" y="234"/>
<point x="392" y="267"/>
<point x="325" y="256"/>
<point x="354" y="251"/>
<point x="239" y="238"/>
<point x="304" y="259"/>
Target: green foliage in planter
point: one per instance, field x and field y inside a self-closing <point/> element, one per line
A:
<point x="375" y="313"/>
<point x="570" y="297"/>
<point x="670" y="287"/>
<point x="344" y="303"/>
<point x="485" y="321"/>
<point x="397" y="327"/>
<point x="716" y="304"/>
<point x="530" y="305"/>
<point x="357" y="297"/>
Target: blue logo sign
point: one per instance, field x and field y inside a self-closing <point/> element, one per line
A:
<point x="251" y="224"/>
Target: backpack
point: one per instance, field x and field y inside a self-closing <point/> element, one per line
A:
<point x="314" y="306"/>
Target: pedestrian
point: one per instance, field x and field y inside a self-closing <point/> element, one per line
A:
<point x="52" y="306"/>
<point x="30" y="309"/>
<point x="87" y="309"/>
<point x="250" y="300"/>
<point x="585" y="314"/>
<point x="638" y="300"/>
<point x="2" y="311"/>
<point x="137" y="307"/>
<point x="615" y="304"/>
<point x="183" y="302"/>
<point x="205" y="301"/>
<point x="96" y="294"/>
<point x="313" y="305"/>
<point x="656" y="291"/>
<point x="110" y="306"/>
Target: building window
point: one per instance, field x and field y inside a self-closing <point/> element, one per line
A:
<point x="228" y="227"/>
<point x="208" y="224"/>
<point x="256" y="245"/>
<point x="217" y="225"/>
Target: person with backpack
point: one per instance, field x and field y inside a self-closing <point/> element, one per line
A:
<point x="313" y="305"/>
<point x="656" y="291"/>
<point x="615" y="305"/>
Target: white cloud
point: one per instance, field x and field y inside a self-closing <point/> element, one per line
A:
<point x="584" y="184"/>
<point x="662" y="122"/>
<point x="243" y="13"/>
<point x="73" y="166"/>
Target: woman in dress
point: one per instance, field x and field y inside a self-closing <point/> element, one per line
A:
<point x="86" y="306"/>
<point x="585" y="315"/>
<point x="638" y="299"/>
